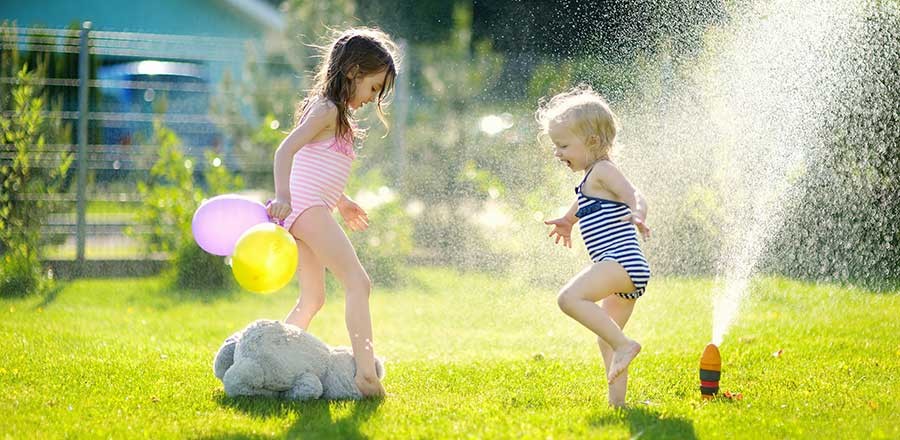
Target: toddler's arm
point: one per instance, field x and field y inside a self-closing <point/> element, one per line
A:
<point x="613" y="179"/>
<point x="570" y="214"/>
<point x="562" y="227"/>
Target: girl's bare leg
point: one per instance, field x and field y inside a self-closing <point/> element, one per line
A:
<point x="318" y="229"/>
<point x="311" y="273"/>
<point x="619" y="309"/>
<point x="579" y="298"/>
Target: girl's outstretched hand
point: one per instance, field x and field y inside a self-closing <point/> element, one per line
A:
<point x="562" y="228"/>
<point x="354" y="216"/>
<point x="278" y="210"/>
<point x="639" y="222"/>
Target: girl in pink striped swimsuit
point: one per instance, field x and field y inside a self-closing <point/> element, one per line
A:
<point x="312" y="165"/>
<point x="318" y="175"/>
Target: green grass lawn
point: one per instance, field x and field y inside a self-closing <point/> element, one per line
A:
<point x="467" y="356"/>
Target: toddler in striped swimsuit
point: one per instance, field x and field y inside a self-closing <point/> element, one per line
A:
<point x="312" y="166"/>
<point x="610" y="212"/>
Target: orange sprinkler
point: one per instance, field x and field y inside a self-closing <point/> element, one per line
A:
<point x="710" y="371"/>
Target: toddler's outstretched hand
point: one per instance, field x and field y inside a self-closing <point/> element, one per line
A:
<point x="562" y="228"/>
<point x="354" y="216"/>
<point x="639" y="222"/>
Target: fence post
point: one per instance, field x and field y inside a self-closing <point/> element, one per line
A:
<point x="83" y="88"/>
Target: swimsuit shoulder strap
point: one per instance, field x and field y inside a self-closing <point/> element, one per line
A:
<point x="588" y="173"/>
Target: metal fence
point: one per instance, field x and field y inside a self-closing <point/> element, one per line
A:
<point x="121" y="80"/>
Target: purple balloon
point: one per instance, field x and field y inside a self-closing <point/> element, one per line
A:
<point x="220" y="221"/>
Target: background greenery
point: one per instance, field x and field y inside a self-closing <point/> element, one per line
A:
<point x="466" y="60"/>
<point x="32" y="170"/>
<point x="466" y="198"/>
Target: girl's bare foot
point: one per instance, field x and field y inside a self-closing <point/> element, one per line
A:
<point x="621" y="359"/>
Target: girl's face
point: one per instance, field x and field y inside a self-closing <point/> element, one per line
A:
<point x="367" y="89"/>
<point x="569" y="148"/>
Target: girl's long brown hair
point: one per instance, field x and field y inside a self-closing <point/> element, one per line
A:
<point x="358" y="52"/>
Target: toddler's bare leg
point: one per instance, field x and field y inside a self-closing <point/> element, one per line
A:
<point x="619" y="309"/>
<point x="622" y="358"/>
<point x="618" y="387"/>
<point x="579" y="298"/>
<point x="311" y="273"/>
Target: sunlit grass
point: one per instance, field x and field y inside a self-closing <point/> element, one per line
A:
<point x="467" y="356"/>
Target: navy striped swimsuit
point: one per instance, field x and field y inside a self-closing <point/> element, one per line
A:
<point x="608" y="238"/>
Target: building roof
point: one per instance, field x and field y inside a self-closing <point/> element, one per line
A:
<point x="218" y="18"/>
<point x="260" y="11"/>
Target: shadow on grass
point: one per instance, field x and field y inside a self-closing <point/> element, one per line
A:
<point x="644" y="423"/>
<point x="313" y="419"/>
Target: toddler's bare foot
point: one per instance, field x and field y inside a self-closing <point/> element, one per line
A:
<point x="617" y="390"/>
<point x="621" y="359"/>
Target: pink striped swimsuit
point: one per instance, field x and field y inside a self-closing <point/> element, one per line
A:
<point x="318" y="175"/>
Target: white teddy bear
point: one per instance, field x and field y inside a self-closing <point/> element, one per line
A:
<point x="271" y="358"/>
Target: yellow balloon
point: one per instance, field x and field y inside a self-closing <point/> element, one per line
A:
<point x="264" y="258"/>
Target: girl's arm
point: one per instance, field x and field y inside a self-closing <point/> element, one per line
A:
<point x="611" y="178"/>
<point x="322" y="114"/>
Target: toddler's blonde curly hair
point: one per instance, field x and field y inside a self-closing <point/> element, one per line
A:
<point x="585" y="113"/>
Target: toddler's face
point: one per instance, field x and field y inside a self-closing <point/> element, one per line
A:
<point x="367" y="89"/>
<point x="569" y="148"/>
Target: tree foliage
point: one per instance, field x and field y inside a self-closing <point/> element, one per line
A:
<point x="27" y="183"/>
<point x="170" y="196"/>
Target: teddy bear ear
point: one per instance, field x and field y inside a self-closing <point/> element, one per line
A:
<point x="224" y="358"/>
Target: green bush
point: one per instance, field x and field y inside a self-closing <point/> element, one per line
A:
<point x="170" y="198"/>
<point x="198" y="269"/>
<point x="23" y="186"/>
<point x="20" y="274"/>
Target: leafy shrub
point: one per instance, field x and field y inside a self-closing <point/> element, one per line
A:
<point x="20" y="274"/>
<point x="23" y="187"/>
<point x="170" y="198"/>
<point x="198" y="269"/>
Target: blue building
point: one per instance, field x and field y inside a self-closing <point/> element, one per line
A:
<point x="244" y="19"/>
<point x="164" y="53"/>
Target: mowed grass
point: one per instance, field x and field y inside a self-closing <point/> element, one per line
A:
<point x="468" y="356"/>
